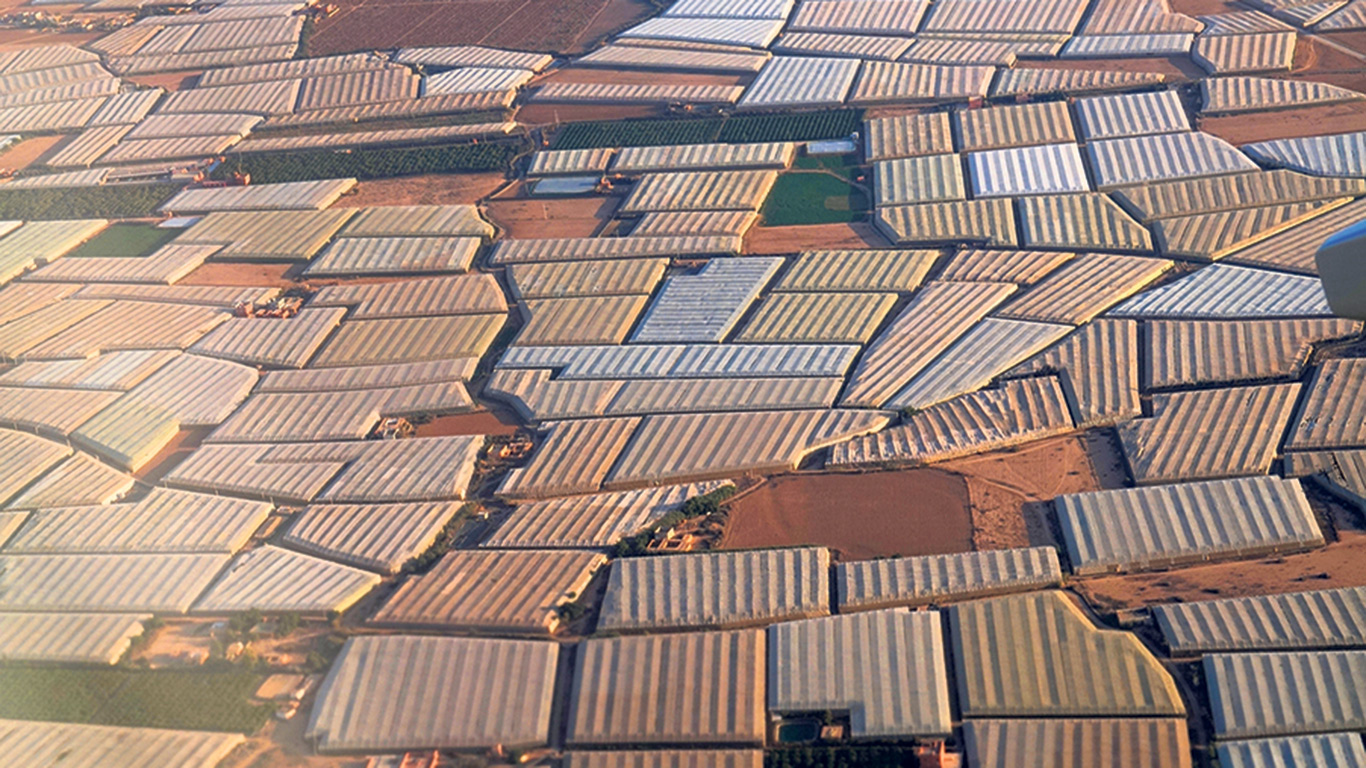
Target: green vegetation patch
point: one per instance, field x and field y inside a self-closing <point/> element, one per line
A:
<point x="813" y="197"/>
<point x="706" y="505"/>
<point x="125" y="241"/>
<point x="192" y="699"/>
<point x="841" y="757"/>
<point x="638" y="133"/>
<point x="272" y="168"/>
<point x="809" y="126"/>
<point x="806" y="126"/>
<point x="119" y="201"/>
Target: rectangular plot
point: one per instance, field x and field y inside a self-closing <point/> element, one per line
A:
<point x="1144" y="528"/>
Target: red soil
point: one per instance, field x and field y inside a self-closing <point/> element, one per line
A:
<point x="1287" y="123"/>
<point x="860" y="516"/>
<point x="273" y="275"/>
<point x="431" y="189"/>
<point x="1340" y="564"/>
<point x="528" y="25"/>
<point x="858" y="234"/>
<point x="29" y="151"/>
<point x="477" y="423"/>
<point x="567" y="217"/>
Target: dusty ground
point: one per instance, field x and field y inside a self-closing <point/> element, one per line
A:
<point x="1177" y="68"/>
<point x="615" y="16"/>
<point x="551" y="114"/>
<point x="177" y="642"/>
<point x="632" y="77"/>
<point x="176" y="451"/>
<point x="1009" y="491"/>
<point x="28" y="151"/>
<point x="566" y="217"/>
<point x="11" y="39"/>
<point x="477" y="423"/>
<point x="273" y="275"/>
<point x="171" y="81"/>
<point x="1201" y="7"/>
<point x="431" y="189"/>
<point x="861" y="516"/>
<point x="1340" y="564"/>
<point x="857" y="234"/>
<point x="1287" y="123"/>
<point x="528" y="25"/>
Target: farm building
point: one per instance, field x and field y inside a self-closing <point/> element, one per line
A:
<point x="993" y="266"/>
<point x="1235" y="94"/>
<point x="39" y="743"/>
<point x="673" y="758"/>
<point x="864" y="270"/>
<point x="279" y="580"/>
<point x="697" y="688"/>
<point x="983" y="222"/>
<point x="1131" y="114"/>
<point x="1328" y="417"/>
<point x="1329" y="618"/>
<point x="378" y="537"/>
<point x="582" y="248"/>
<point x="507" y="591"/>
<point x="69" y="638"/>
<point x="1143" y="528"/>
<point x="1188" y="352"/>
<point x="1021" y="125"/>
<point x="1208" y="433"/>
<point x="591" y="278"/>
<point x="575" y="457"/>
<point x="419" y="469"/>
<point x="301" y="195"/>
<point x="1238" y="191"/>
<point x="656" y="361"/>
<point x="796" y="81"/>
<point x="506" y="688"/>
<point x="870" y="584"/>
<point x="1224" y="291"/>
<point x="1330" y="750"/>
<point x="127" y="583"/>
<point x="1160" y="157"/>
<point x="165" y="521"/>
<point x="1018" y="412"/>
<point x="1097" y="367"/>
<point x="936" y="317"/>
<point x="1315" y="692"/>
<point x="1015" y="656"/>
<point x="992" y="347"/>
<point x="716" y="589"/>
<point x="677" y="448"/>
<point x="896" y="681"/>
<point x="1035" y="170"/>
<point x="1074" y="743"/>
<point x="889" y="138"/>
<point x="597" y="520"/>
<point x="1294" y="249"/>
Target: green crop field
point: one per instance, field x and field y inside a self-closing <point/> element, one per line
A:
<point x="807" y="197"/>
<point x="192" y="699"/>
<point x="809" y="126"/>
<point x="637" y="133"/>
<point x="125" y="240"/>
<point x="806" y="126"/>
<point x="271" y="168"/>
<point x="119" y="201"/>
<point x="870" y="756"/>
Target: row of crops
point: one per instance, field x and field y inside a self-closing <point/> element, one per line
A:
<point x="810" y="126"/>
<point x="270" y="168"/>
<point x="121" y="201"/>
